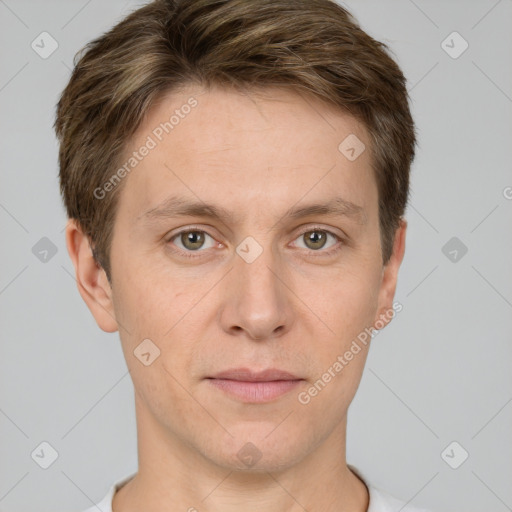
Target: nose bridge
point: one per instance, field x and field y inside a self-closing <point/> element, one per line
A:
<point x="257" y="300"/>
<point x="257" y="266"/>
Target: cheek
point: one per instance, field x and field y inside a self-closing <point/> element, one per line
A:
<point x="161" y="312"/>
<point x="150" y="302"/>
<point x="348" y="310"/>
<point x="346" y="303"/>
<point x="172" y="312"/>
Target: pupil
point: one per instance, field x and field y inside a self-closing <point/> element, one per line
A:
<point x="194" y="238"/>
<point x="316" y="236"/>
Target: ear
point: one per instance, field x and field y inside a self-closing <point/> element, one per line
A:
<point x="389" y="278"/>
<point x="91" y="279"/>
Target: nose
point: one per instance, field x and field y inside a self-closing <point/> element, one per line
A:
<point x="257" y="300"/>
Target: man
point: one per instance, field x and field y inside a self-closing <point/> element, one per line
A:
<point x="235" y="174"/>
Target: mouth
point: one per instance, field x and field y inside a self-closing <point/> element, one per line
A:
<point x="255" y="387"/>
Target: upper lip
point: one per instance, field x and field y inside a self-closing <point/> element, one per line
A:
<point x="247" y="375"/>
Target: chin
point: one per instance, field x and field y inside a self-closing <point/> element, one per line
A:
<point x="257" y="451"/>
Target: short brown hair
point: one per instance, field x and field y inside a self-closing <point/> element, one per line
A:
<point x="310" y="46"/>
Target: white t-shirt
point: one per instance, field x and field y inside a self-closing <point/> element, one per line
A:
<point x="380" y="501"/>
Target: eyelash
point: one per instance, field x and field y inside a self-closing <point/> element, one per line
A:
<point x="192" y="254"/>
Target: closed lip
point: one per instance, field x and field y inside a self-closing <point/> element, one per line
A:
<point x="247" y="375"/>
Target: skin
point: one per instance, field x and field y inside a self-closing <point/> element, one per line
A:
<point x="294" y="307"/>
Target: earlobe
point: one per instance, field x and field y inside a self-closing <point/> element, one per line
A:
<point x="385" y="310"/>
<point x="90" y="277"/>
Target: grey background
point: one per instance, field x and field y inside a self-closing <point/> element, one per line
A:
<point x="439" y="373"/>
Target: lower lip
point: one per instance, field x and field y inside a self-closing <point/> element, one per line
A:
<point x="255" y="392"/>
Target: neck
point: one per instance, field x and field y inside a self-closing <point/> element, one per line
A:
<point x="174" y="476"/>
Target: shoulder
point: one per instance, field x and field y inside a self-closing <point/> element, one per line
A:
<point x="105" y="505"/>
<point x="382" y="501"/>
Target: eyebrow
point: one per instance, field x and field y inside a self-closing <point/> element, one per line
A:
<point x="176" y="206"/>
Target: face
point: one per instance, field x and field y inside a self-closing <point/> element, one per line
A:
<point x="221" y="262"/>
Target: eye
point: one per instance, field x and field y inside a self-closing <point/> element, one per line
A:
<point x="191" y="240"/>
<point x="315" y="239"/>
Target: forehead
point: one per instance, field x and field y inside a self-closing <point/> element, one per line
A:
<point x="247" y="149"/>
